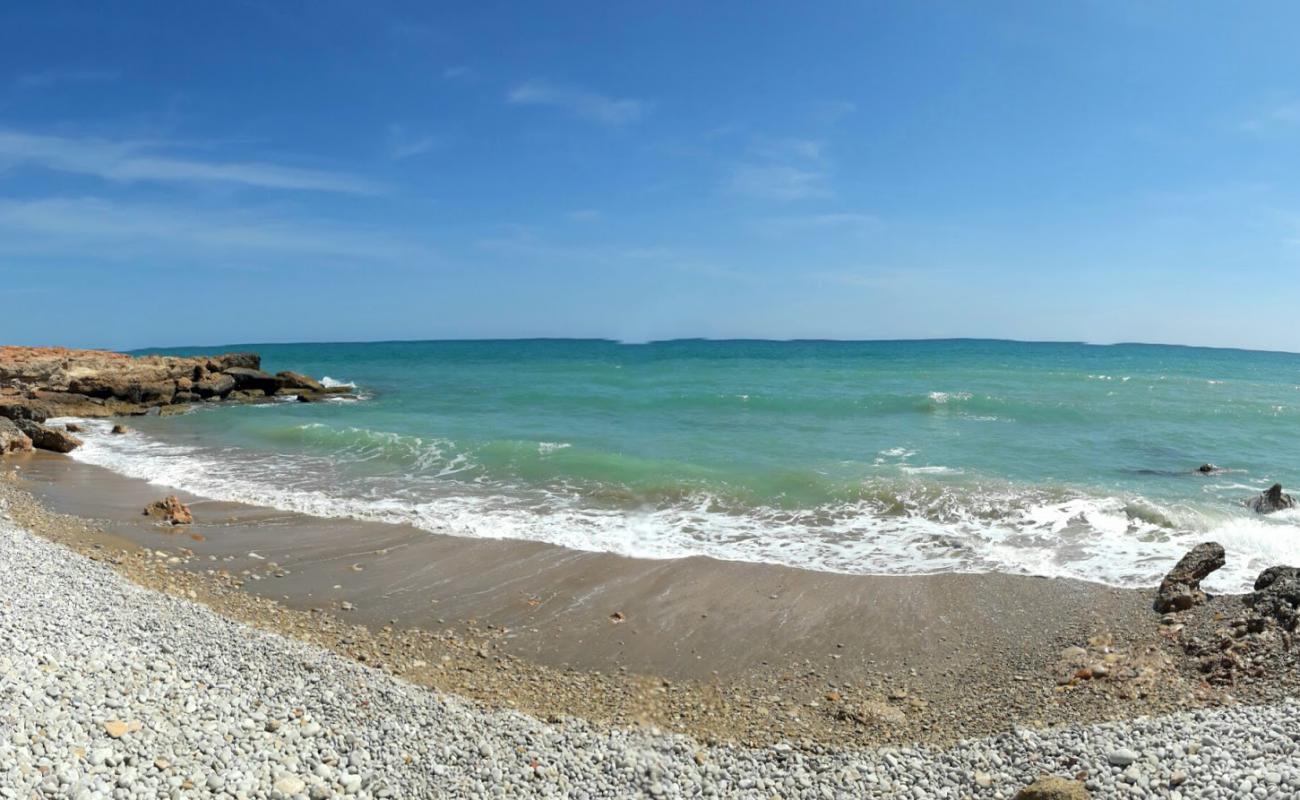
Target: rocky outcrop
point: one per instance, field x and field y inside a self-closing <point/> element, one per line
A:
<point x="1051" y="787"/>
<point x="1208" y="469"/>
<point x="1277" y="596"/>
<point x="37" y="383"/>
<point x="296" y="380"/>
<point x="1181" y="588"/>
<point x="254" y="380"/>
<point x="47" y="438"/>
<point x="170" y="510"/>
<point x="1270" y="500"/>
<point x="12" y="439"/>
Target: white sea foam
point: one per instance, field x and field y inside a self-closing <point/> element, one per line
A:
<point x="332" y="383"/>
<point x="1112" y="540"/>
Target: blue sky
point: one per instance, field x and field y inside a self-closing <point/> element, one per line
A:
<point x="178" y="173"/>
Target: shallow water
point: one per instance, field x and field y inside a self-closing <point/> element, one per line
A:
<point x="880" y="457"/>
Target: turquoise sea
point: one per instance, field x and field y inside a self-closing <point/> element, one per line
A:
<point x="860" y="457"/>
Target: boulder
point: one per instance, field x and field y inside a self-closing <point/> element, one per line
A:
<point x="296" y="380"/>
<point x="119" y="429"/>
<point x="1181" y="588"/>
<point x="228" y="361"/>
<point x="253" y="380"/>
<point x="246" y="395"/>
<point x="16" y="408"/>
<point x="1277" y="595"/>
<point x="73" y="427"/>
<point x="171" y="510"/>
<point x="214" y="385"/>
<point x="12" y="439"/>
<point x="1270" y="500"/>
<point x="47" y="438"/>
<point x="1208" y="469"/>
<point x="1051" y="787"/>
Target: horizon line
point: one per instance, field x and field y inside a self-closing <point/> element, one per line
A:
<point x="718" y="340"/>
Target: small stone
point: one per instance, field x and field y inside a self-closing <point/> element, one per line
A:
<point x="1051" y="787"/>
<point x="1121" y="758"/>
<point x="290" y="785"/>
<point x="117" y="728"/>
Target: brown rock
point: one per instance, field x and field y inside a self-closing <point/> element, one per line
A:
<point x="12" y="439"/>
<point x="1181" y="588"/>
<point x="1051" y="787"/>
<point x="73" y="427"/>
<point x="170" y="509"/>
<point x="116" y="728"/>
<point x="119" y="429"/>
<point x="47" y="438"/>
<point x="296" y="380"/>
<point x="214" y="385"/>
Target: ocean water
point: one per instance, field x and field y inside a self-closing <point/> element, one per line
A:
<point x="857" y="457"/>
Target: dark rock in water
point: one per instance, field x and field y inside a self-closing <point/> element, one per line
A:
<point x="253" y="380"/>
<point x="1277" y="595"/>
<point x="1270" y="500"/>
<point x="246" y="394"/>
<point x="73" y="427"/>
<point x="1181" y="588"/>
<point x="49" y="438"/>
<point x="12" y="439"/>
<point x="1051" y="787"/>
<point x="296" y="380"/>
<point x="119" y="429"/>
<point x="1208" y="469"/>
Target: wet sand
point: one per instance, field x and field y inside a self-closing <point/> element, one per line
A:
<point x="724" y="649"/>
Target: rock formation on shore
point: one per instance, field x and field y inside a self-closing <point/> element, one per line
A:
<point x="1181" y="588"/>
<point x="1270" y="500"/>
<point x="37" y="383"/>
<point x="170" y="509"/>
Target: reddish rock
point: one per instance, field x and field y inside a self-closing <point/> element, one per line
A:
<point x="170" y="509"/>
<point x="12" y="439"/>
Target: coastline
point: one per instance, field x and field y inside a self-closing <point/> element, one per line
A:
<point x="723" y="651"/>
<point x="157" y="695"/>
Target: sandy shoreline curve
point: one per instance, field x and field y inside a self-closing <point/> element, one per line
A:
<point x="755" y="654"/>
<point x="111" y="688"/>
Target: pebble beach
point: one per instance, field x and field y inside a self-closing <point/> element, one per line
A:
<point x="108" y="689"/>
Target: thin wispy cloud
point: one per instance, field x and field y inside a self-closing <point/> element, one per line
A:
<point x="132" y="161"/>
<point x="92" y="229"/>
<point x="589" y="105"/>
<point x="51" y="77"/>
<point x="844" y="222"/>
<point x="458" y="72"/>
<point x="403" y="143"/>
<point x="777" y="182"/>
<point x="1280" y="115"/>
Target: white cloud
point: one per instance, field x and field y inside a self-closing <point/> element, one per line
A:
<point x="131" y="161"/>
<point x="1282" y="115"/>
<point x="777" y="182"/>
<point x="404" y="144"/>
<point x="845" y="222"/>
<point x="457" y="73"/>
<point x="589" y="105"/>
<point x="91" y="228"/>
